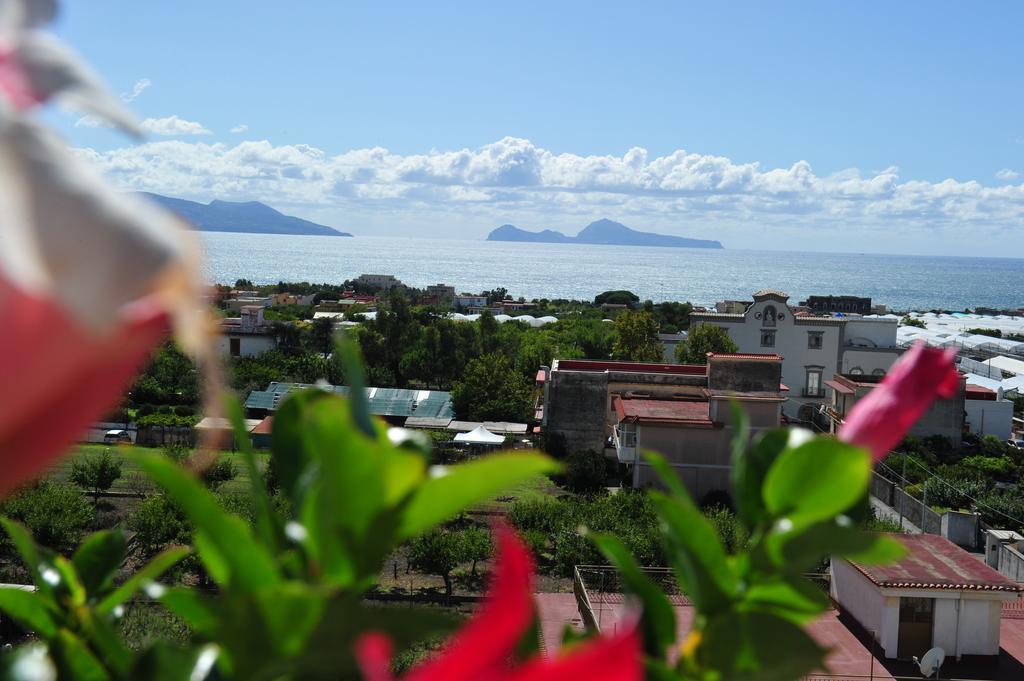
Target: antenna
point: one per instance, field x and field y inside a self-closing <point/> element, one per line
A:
<point x="931" y="663"/>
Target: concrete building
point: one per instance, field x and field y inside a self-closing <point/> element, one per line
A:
<point x="439" y="294"/>
<point x="679" y="411"/>
<point x="937" y="596"/>
<point x="669" y="343"/>
<point x="731" y="306"/>
<point x="291" y="299"/>
<point x="236" y="304"/>
<point x="382" y="282"/>
<point x="468" y="301"/>
<point x="813" y="347"/>
<point x="843" y="304"/>
<point x="247" y="335"/>
<point x="945" y="417"/>
<point x="988" y="413"/>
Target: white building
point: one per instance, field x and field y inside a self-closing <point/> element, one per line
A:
<point x="247" y="335"/>
<point x="937" y="596"/>
<point x="988" y="413"/>
<point x="384" y="282"/>
<point x="814" y="348"/>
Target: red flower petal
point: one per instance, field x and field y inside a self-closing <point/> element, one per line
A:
<point x="481" y="649"/>
<point x="618" y="658"/>
<point x="373" y="653"/>
<point x="880" y="420"/>
<point x="14" y="82"/>
<point x="58" y="378"/>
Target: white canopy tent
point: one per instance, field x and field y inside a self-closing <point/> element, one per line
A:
<point x="480" y="436"/>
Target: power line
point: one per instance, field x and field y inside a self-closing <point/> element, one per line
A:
<point x="953" y="487"/>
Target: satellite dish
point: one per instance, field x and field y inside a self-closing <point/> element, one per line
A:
<point x="931" y="663"/>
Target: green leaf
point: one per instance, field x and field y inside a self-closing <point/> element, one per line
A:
<point x="293" y="462"/>
<point x="197" y="610"/>
<point x="75" y="660"/>
<point x="163" y="662"/>
<point x="816" y="480"/>
<point x="750" y="465"/>
<point x="266" y="526"/>
<point x="149" y="572"/>
<point x="70" y="588"/>
<point x="98" y="558"/>
<point x="668" y="477"/>
<point x="356" y="378"/>
<point x="795" y="598"/>
<point x="26" y="546"/>
<point x="695" y="552"/>
<point x="213" y="558"/>
<point x="30" y="609"/>
<point x="798" y="546"/>
<point x="754" y="646"/>
<point x="659" y="618"/>
<point x="291" y="612"/>
<point x="449" y="490"/>
<point x="251" y="566"/>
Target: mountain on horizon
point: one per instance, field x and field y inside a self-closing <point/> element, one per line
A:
<point x="250" y="217"/>
<point x="601" y="232"/>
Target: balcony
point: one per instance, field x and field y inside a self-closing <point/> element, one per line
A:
<point x="624" y="438"/>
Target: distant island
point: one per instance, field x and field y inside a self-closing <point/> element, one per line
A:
<point x="606" y="232"/>
<point x="250" y="217"/>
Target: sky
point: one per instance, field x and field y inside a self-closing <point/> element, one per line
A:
<point x="858" y="127"/>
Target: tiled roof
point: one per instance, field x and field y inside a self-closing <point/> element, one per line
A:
<point x="663" y="411"/>
<point x="716" y="315"/>
<point x="934" y="562"/>
<point x="746" y="355"/>
<point x="770" y="292"/>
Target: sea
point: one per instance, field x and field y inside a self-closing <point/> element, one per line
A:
<point x="580" y="271"/>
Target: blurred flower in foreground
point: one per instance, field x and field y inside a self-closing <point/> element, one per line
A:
<point x="90" y="278"/>
<point x="484" y="648"/>
<point x="880" y="420"/>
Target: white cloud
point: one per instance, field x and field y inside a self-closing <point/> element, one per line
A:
<point x="137" y="89"/>
<point x="172" y="126"/>
<point x="1007" y="174"/>
<point x="514" y="180"/>
<point x="238" y="129"/>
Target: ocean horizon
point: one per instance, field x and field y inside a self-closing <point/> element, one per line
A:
<point x="581" y="271"/>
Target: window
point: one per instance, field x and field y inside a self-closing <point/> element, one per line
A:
<point x="767" y="338"/>
<point x="236" y="347"/>
<point x="813" y="388"/>
<point x="878" y="372"/>
<point x="815" y="339"/>
<point x="856" y="371"/>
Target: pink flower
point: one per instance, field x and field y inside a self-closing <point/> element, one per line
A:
<point x="59" y="377"/>
<point x="880" y="420"/>
<point x="483" y="649"/>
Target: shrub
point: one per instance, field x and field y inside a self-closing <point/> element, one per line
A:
<point x="220" y="471"/>
<point x="57" y="514"/>
<point x="437" y="552"/>
<point x="729" y="528"/>
<point x="157" y="522"/>
<point x="585" y="472"/>
<point x="96" y="473"/>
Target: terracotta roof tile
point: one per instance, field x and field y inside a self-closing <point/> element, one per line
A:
<point x="934" y="562"/>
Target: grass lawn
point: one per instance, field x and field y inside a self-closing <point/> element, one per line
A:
<point x="537" y="486"/>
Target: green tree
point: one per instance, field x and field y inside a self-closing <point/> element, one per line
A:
<point x="636" y="338"/>
<point x="476" y="546"/>
<point x="438" y="552"/>
<point x="910" y="321"/>
<point x="585" y="472"/>
<point x="488" y="332"/>
<point x="322" y="336"/>
<point x="704" y="338"/>
<point x="56" y="513"/>
<point x="617" y="297"/>
<point x="96" y="473"/>
<point x="492" y="390"/>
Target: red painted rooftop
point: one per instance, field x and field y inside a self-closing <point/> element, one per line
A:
<point x="264" y="426"/>
<point x="745" y="355"/>
<point x="934" y="562"/>
<point x="638" y="367"/>
<point x="663" y="411"/>
<point x="979" y="392"/>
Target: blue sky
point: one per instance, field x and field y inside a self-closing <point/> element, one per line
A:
<point x="880" y="125"/>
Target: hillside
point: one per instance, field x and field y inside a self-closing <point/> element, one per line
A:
<point x="250" y="217"/>
<point x="604" y="232"/>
